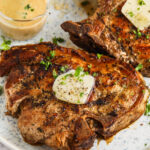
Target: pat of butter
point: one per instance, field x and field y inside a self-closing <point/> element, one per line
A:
<point x="138" y="13"/>
<point x="69" y="88"/>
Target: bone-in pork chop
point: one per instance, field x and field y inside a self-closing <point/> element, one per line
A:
<point x="108" y="31"/>
<point x="118" y="98"/>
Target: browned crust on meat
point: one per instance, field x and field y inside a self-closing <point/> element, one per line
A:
<point x="118" y="99"/>
<point x="109" y="32"/>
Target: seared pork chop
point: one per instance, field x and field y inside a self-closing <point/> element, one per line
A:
<point x="108" y="31"/>
<point x="118" y="98"/>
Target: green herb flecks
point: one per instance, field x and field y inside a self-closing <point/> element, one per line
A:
<point x="55" y="75"/>
<point x="138" y="8"/>
<point x="145" y="144"/>
<point x="99" y="56"/>
<point x="90" y="66"/>
<point x="139" y="67"/>
<point x="78" y="71"/>
<point x="147" y="112"/>
<point x="52" y="54"/>
<point x="131" y="14"/>
<point x="141" y="2"/>
<point x="143" y="91"/>
<point x="137" y="33"/>
<point x="119" y="39"/>
<point x="46" y="64"/>
<point x="25" y="15"/>
<point x="58" y="40"/>
<point x="78" y="101"/>
<point x="115" y="10"/>
<point x="147" y="37"/>
<point x="1" y="90"/>
<point x="6" y="44"/>
<point x="62" y="83"/>
<point x="28" y="7"/>
<point x="41" y="40"/>
<point x="81" y="94"/>
<point x="66" y="76"/>
<point x="64" y="68"/>
<point x="32" y="9"/>
<point x="95" y="74"/>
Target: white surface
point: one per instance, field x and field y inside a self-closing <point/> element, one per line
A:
<point x="133" y="138"/>
<point x="3" y="147"/>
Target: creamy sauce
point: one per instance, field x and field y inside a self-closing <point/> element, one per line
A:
<point x="67" y="87"/>
<point x="109" y="140"/>
<point x="22" y="9"/>
<point x="20" y="22"/>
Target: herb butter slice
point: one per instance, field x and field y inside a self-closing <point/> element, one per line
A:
<point x="74" y="87"/>
<point x="138" y="13"/>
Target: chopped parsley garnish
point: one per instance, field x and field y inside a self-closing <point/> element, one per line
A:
<point x="78" y="71"/>
<point x="58" y="40"/>
<point x="46" y="64"/>
<point x="81" y="94"/>
<point x="137" y="33"/>
<point x="86" y="73"/>
<point x="99" y="56"/>
<point x="1" y="90"/>
<point x="147" y="37"/>
<point x="139" y="67"/>
<point x="27" y="7"/>
<point x="95" y="74"/>
<point x="63" y="68"/>
<point x="52" y="54"/>
<point x="6" y="44"/>
<point x="138" y="8"/>
<point x="32" y="9"/>
<point x="62" y="83"/>
<point x="115" y="10"/>
<point x="90" y="66"/>
<point x="78" y="101"/>
<point x="131" y="14"/>
<point x="55" y="75"/>
<point x="25" y="15"/>
<point x="85" y="3"/>
<point x="67" y="75"/>
<point x="141" y="2"/>
<point x="147" y="112"/>
<point x="41" y="40"/>
<point x="119" y="39"/>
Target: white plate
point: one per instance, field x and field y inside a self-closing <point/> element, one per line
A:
<point x="133" y="138"/>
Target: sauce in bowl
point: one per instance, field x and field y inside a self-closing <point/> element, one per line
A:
<point x="22" y="19"/>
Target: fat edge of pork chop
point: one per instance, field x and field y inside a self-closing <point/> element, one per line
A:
<point x="117" y="99"/>
<point x="109" y="32"/>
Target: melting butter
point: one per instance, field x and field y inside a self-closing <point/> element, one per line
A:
<point x="138" y="13"/>
<point x="69" y="88"/>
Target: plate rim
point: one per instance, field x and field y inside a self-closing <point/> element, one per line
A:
<point x="8" y="144"/>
